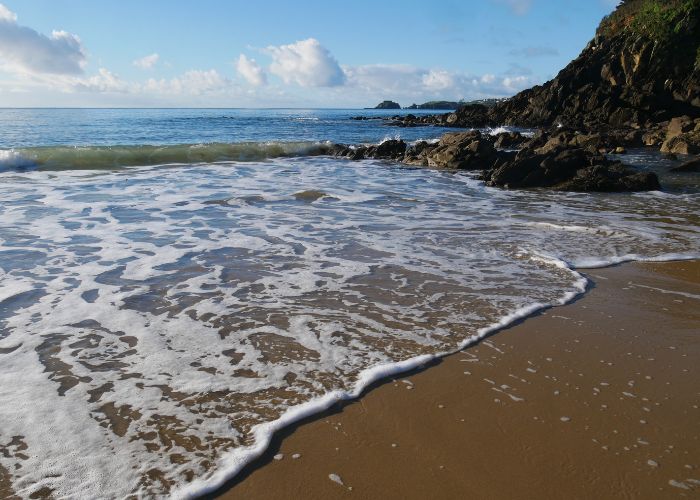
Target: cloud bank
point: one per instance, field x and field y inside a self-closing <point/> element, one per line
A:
<point x="55" y="65"/>
<point x="23" y="49"/>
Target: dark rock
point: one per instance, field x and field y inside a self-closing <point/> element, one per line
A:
<point x="509" y="140"/>
<point x="569" y="169"/>
<point x="389" y="150"/>
<point x="610" y="178"/>
<point x="687" y="143"/>
<point x="388" y="105"/>
<point x="679" y="125"/>
<point x="689" y="166"/>
<point x="464" y="150"/>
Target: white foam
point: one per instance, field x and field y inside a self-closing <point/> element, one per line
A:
<point x="316" y="301"/>
<point x="11" y="159"/>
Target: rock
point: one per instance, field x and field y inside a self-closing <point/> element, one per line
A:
<point x="686" y="143"/>
<point x="466" y="150"/>
<point x="619" y="150"/>
<point x="689" y="166"/>
<point x="388" y="105"/>
<point x="610" y="178"/>
<point x="678" y="126"/>
<point x="653" y="138"/>
<point x="555" y="142"/>
<point x="391" y="150"/>
<point x="567" y="168"/>
<point x="508" y="140"/>
<point x="553" y="163"/>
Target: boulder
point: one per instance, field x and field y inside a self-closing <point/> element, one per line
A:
<point x="679" y="125"/>
<point x="465" y="150"/>
<point x="567" y="168"/>
<point x="685" y="143"/>
<point x="610" y="178"/>
<point x="509" y="140"/>
<point x="688" y="166"/>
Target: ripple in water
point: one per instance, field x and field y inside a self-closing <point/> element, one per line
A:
<point x="156" y="324"/>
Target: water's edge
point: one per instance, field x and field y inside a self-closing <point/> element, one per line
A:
<point x="236" y="462"/>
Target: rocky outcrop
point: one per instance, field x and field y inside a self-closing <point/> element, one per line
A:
<point x="688" y="166"/>
<point x="435" y="105"/>
<point x="642" y="68"/>
<point x="682" y="136"/>
<point x="462" y="150"/>
<point x="561" y="160"/>
<point x="388" y="150"/>
<point x="569" y="169"/>
<point x="388" y="105"/>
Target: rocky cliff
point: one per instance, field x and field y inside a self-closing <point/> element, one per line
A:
<point x="641" y="68"/>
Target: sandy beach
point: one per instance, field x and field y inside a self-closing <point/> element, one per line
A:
<point x="595" y="399"/>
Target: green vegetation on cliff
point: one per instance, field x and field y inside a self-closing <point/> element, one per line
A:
<point x="657" y="20"/>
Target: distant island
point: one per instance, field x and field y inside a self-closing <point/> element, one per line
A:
<point x="436" y="105"/>
<point x="446" y="105"/>
<point x="387" y="105"/>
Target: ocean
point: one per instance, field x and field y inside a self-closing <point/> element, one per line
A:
<point x="177" y="285"/>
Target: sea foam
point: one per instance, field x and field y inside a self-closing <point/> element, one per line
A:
<point x="159" y="324"/>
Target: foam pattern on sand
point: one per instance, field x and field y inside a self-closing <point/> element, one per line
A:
<point x="158" y="323"/>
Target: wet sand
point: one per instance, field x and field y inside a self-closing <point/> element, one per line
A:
<point x="596" y="399"/>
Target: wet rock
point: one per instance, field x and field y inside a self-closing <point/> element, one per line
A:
<point x="567" y="168"/>
<point x="679" y="125"/>
<point x="689" y="166"/>
<point x="465" y="150"/>
<point x="610" y="178"/>
<point x="509" y="140"/>
<point x="685" y="143"/>
<point x="393" y="149"/>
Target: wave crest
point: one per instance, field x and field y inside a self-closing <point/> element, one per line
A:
<point x="105" y="157"/>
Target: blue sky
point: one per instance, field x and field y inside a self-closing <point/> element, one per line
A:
<point x="264" y="53"/>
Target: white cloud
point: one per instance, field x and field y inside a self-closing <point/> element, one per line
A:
<point x="24" y="50"/>
<point x="519" y="7"/>
<point x="147" y="62"/>
<point x="488" y="78"/>
<point x="251" y="71"/>
<point x="193" y="82"/>
<point x="306" y="63"/>
<point x="103" y="81"/>
<point x="438" y="80"/>
<point x="516" y="83"/>
<point x="7" y="15"/>
<point x="408" y="84"/>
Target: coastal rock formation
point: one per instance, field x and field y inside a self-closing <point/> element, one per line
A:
<point x="642" y="67"/>
<point x="563" y="160"/>
<point x="637" y="83"/>
<point x="688" y="166"/>
<point x="569" y="169"/>
<point x="641" y="70"/>
<point x="388" y="105"/>
<point x="435" y="105"/>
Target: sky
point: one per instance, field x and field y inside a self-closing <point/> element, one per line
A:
<point x="280" y="53"/>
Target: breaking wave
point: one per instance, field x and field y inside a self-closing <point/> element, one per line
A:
<point x="106" y="157"/>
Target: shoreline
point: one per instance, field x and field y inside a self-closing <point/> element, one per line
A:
<point x="269" y="474"/>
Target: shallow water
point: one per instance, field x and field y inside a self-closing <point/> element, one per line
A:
<point x="158" y="323"/>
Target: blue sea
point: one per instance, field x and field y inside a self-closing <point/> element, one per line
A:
<point x="178" y="284"/>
